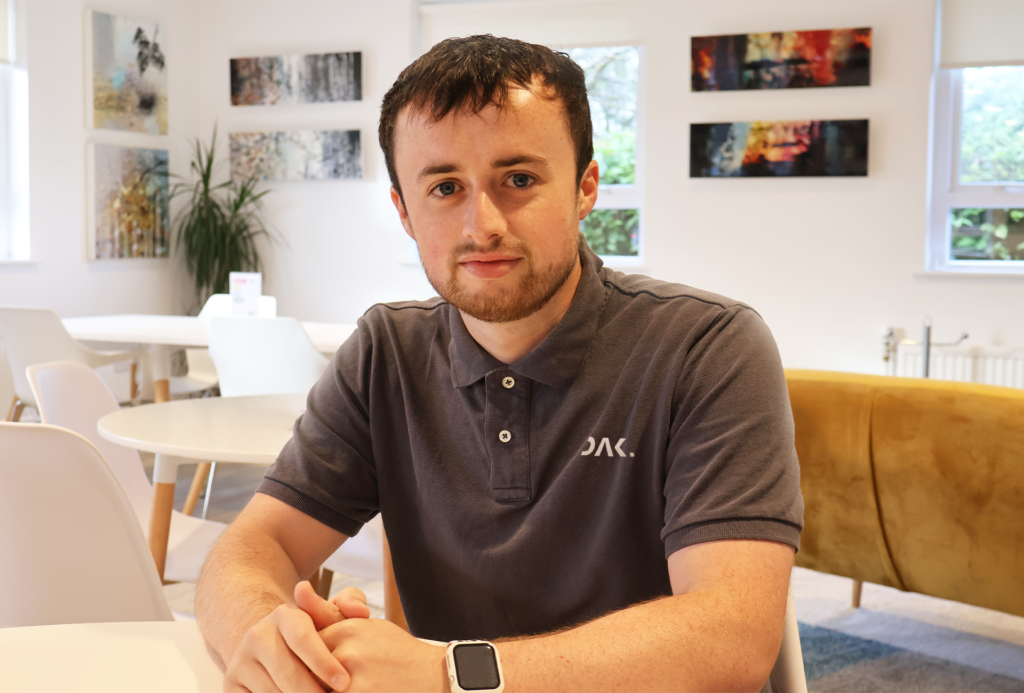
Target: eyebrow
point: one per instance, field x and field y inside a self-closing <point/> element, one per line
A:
<point x="438" y="169"/>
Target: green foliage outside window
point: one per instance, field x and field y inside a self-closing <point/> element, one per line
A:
<point x="613" y="231"/>
<point x="992" y="125"/>
<point x="612" y="76"/>
<point x="987" y="234"/>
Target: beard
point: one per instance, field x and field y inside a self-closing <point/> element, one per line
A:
<point x="531" y="294"/>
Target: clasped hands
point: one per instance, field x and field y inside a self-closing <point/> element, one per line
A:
<point x="316" y="645"/>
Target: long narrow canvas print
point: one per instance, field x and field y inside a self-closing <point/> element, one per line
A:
<point x="779" y="148"/>
<point x="129" y="202"/>
<point x="781" y="60"/>
<point x="296" y="155"/>
<point x="287" y="79"/>
<point x="127" y="79"/>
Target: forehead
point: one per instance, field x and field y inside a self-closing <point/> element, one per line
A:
<point x="528" y="118"/>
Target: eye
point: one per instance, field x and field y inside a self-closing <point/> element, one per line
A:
<point x="445" y="189"/>
<point x="520" y="180"/>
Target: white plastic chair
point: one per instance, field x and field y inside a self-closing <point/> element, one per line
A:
<point x="64" y="516"/>
<point x="788" y="675"/>
<point x="72" y="396"/>
<point x="202" y="374"/>
<point x="36" y="335"/>
<point x="263" y="357"/>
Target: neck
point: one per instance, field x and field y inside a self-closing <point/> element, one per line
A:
<point x="510" y="341"/>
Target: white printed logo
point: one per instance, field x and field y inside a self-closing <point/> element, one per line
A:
<point x="594" y="448"/>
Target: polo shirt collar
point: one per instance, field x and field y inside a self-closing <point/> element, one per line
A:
<point x="557" y="359"/>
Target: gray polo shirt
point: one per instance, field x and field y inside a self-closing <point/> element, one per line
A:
<point x="522" y="498"/>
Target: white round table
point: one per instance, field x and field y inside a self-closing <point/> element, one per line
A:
<point x="108" y="658"/>
<point x="226" y="429"/>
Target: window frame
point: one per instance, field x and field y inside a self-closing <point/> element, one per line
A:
<point x="626" y="196"/>
<point x="946" y="192"/>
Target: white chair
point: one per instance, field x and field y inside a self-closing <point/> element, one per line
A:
<point x="36" y="335"/>
<point x="72" y="396"/>
<point x="64" y="519"/>
<point x="263" y="357"/>
<point x="202" y="374"/>
<point x="788" y="675"/>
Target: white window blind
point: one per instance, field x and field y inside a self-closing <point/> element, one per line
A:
<point x="979" y="33"/>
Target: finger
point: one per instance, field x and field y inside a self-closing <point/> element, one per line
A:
<point x="322" y="612"/>
<point x="351" y="602"/>
<point x="302" y="639"/>
<point x="255" y="679"/>
<point x="285" y="670"/>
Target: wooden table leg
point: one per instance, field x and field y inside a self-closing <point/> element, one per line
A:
<point x="134" y="385"/>
<point x="162" y="390"/>
<point x="198" y="481"/>
<point x="165" y="474"/>
<point x="160" y="362"/>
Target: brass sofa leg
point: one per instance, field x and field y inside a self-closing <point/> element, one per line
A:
<point x="858" y="585"/>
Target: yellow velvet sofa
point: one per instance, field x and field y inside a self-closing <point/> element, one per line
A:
<point x="915" y="484"/>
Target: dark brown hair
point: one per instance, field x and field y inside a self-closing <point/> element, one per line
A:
<point x="470" y="73"/>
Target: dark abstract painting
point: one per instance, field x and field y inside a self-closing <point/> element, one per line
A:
<point x="286" y="79"/>
<point x="296" y="155"/>
<point x="781" y="60"/>
<point x="779" y="148"/>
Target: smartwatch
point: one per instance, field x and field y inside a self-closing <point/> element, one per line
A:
<point x="473" y="665"/>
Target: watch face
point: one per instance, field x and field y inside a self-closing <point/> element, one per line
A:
<point x="476" y="667"/>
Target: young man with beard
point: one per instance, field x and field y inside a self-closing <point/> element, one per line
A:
<point x="594" y="470"/>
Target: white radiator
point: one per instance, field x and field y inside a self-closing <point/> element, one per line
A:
<point x="991" y="366"/>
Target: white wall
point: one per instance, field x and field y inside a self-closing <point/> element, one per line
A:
<point x="828" y="262"/>
<point x="343" y="247"/>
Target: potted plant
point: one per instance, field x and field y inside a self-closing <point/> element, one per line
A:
<point x="218" y="227"/>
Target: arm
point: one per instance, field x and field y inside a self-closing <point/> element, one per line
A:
<point x="254" y="611"/>
<point x="721" y="630"/>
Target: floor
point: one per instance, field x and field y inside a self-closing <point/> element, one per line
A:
<point x="948" y="630"/>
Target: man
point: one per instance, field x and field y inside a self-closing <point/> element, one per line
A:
<point x="596" y="468"/>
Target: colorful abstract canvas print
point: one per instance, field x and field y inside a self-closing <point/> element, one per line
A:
<point x="129" y="202"/>
<point x="779" y="148"/>
<point x="287" y="79"/>
<point x="781" y="60"/>
<point x="296" y="155"/>
<point x="127" y="86"/>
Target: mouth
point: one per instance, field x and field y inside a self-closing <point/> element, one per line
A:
<point x="484" y="266"/>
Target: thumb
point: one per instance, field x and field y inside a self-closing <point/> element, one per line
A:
<point x="322" y="612"/>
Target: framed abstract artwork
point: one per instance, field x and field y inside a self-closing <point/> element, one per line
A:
<point x="296" y="155"/>
<point x="291" y="79"/>
<point x="779" y="148"/>
<point x="126" y="77"/>
<point x="128" y="202"/>
<point x="781" y="60"/>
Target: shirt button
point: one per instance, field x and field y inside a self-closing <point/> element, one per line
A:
<point x="509" y="383"/>
<point x="504" y="436"/>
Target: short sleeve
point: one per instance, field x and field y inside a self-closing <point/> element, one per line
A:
<point x="327" y="469"/>
<point x="731" y="464"/>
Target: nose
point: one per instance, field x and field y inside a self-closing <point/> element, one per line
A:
<point x="485" y="224"/>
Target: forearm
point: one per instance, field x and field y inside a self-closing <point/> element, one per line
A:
<point x="705" y="640"/>
<point x="243" y="580"/>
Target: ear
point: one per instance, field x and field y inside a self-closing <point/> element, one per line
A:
<point x="587" y="196"/>
<point x="396" y="200"/>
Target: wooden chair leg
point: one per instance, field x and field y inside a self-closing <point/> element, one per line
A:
<point x="135" y="386"/>
<point x="198" y="482"/>
<point x="17" y="406"/>
<point x="314" y="580"/>
<point x="324" y="588"/>
<point x="858" y="585"/>
<point x="392" y="602"/>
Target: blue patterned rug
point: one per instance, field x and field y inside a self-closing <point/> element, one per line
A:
<point x="841" y="661"/>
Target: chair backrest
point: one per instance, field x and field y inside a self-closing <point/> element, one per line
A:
<point x="63" y="514"/>
<point x="912" y="483"/>
<point x="219" y="306"/>
<point x="71" y="395"/>
<point x="263" y="356"/>
<point x="35" y="335"/>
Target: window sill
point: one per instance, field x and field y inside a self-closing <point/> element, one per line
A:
<point x="931" y="274"/>
<point x="7" y="262"/>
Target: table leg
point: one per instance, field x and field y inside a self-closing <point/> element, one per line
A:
<point x="392" y="602"/>
<point x="165" y="474"/>
<point x="198" y="481"/>
<point x="160" y="362"/>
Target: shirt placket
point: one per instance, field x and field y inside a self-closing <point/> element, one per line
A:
<point x="506" y="430"/>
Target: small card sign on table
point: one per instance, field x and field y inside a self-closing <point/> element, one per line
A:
<point x="246" y="289"/>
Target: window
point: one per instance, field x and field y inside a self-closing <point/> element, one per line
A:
<point x="613" y="229"/>
<point x="14" y="239"/>
<point x="977" y="211"/>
